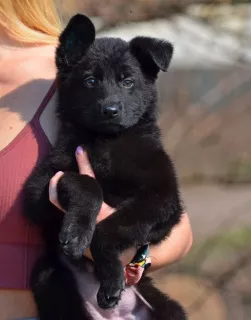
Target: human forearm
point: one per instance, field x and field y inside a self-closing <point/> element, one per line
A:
<point x="175" y="247"/>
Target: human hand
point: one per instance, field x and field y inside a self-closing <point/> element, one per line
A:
<point x="84" y="167"/>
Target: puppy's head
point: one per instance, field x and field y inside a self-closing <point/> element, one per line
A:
<point x="107" y="84"/>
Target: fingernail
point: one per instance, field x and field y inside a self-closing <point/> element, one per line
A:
<point x="79" y="150"/>
<point x="59" y="173"/>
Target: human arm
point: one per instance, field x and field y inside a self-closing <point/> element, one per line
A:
<point x="174" y="248"/>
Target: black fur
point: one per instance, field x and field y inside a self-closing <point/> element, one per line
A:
<point x="106" y="104"/>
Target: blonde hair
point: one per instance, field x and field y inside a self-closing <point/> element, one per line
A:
<point x="31" y="21"/>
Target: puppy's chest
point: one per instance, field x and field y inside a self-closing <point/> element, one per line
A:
<point x="101" y="161"/>
<point x="115" y="168"/>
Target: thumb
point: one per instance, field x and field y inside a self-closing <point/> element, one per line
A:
<point x="83" y="162"/>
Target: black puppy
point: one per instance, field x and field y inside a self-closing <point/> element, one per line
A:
<point x="107" y="104"/>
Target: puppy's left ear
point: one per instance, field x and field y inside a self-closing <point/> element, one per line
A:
<point x="74" y="41"/>
<point x="153" y="54"/>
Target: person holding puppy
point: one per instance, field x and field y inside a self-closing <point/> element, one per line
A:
<point x="28" y="36"/>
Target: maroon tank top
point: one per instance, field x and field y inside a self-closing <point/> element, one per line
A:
<point x="20" y="243"/>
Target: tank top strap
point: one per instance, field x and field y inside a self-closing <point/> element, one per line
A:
<point x="44" y="102"/>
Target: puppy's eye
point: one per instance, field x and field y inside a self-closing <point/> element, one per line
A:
<point x="90" y="82"/>
<point x="127" y="83"/>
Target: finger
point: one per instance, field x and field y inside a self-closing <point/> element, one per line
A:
<point x="84" y="165"/>
<point x="53" y="188"/>
<point x="87" y="254"/>
<point x="105" y="212"/>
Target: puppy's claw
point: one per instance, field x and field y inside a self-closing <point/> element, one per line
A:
<point x="107" y="296"/>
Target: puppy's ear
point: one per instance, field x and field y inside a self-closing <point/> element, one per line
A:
<point x="153" y="54"/>
<point x="74" y="41"/>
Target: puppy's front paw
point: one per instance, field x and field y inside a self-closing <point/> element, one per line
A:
<point x="110" y="292"/>
<point x="74" y="239"/>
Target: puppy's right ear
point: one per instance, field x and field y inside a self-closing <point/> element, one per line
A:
<point x="74" y="41"/>
<point x="152" y="53"/>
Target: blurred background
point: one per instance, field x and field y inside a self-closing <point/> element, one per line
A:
<point x="205" y="117"/>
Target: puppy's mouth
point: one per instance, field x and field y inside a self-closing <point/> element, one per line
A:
<point x="108" y="127"/>
<point x="109" y="119"/>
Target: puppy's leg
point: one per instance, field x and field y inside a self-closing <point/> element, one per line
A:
<point x="134" y="224"/>
<point x="163" y="307"/>
<point x="81" y="197"/>
<point x="110" y="272"/>
<point x="107" y="244"/>
<point x="55" y="292"/>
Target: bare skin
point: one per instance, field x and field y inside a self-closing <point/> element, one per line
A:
<point x="26" y="73"/>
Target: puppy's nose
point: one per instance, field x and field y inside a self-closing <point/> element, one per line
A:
<point x="111" y="111"/>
